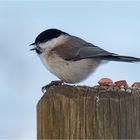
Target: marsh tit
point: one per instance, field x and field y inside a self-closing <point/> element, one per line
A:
<point x="71" y="58"/>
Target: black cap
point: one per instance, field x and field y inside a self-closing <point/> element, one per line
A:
<point x="48" y="35"/>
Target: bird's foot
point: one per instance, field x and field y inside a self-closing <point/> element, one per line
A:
<point x="53" y="83"/>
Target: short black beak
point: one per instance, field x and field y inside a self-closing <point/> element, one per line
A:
<point x="32" y="44"/>
<point x="33" y="49"/>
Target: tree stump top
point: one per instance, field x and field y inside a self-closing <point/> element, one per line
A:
<point x="97" y="91"/>
<point x="81" y="112"/>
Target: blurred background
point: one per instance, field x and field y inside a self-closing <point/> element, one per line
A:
<point x="114" y="26"/>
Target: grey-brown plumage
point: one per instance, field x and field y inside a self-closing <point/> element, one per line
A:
<point x="70" y="58"/>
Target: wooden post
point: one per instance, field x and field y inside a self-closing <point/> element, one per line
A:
<point x="75" y="112"/>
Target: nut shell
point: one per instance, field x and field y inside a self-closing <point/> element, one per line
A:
<point x="121" y="83"/>
<point x="136" y="85"/>
<point x="105" y="82"/>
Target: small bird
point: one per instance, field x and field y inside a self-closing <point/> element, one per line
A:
<point x="71" y="58"/>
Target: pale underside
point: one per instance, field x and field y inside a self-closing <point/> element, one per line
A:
<point x="69" y="71"/>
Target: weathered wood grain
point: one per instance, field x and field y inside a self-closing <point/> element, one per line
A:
<point x="76" y="112"/>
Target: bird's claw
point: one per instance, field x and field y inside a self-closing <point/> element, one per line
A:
<point x="53" y="83"/>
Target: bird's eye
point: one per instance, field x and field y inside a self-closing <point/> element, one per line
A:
<point x="38" y="47"/>
<point x="38" y="50"/>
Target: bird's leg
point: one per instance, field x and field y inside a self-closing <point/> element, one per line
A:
<point x="53" y="83"/>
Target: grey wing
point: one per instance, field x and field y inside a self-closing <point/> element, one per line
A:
<point x="96" y="52"/>
<point x="76" y="49"/>
<point x="92" y="51"/>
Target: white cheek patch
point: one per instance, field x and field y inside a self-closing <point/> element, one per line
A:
<point x="53" y="43"/>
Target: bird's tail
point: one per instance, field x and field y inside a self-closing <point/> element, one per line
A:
<point x="122" y="58"/>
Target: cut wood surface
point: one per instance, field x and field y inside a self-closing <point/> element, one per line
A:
<point x="80" y="112"/>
